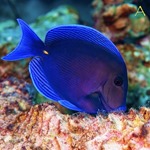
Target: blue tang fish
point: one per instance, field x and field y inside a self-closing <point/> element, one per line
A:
<point x="76" y="66"/>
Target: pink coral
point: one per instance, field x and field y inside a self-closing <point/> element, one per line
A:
<point x="44" y="127"/>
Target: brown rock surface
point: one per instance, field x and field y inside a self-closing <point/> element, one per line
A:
<point x="114" y="20"/>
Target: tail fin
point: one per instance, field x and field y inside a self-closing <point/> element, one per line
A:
<point x="29" y="46"/>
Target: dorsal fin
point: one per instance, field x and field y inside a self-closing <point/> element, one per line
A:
<point x="80" y="32"/>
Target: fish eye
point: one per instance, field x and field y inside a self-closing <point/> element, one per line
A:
<point x="118" y="81"/>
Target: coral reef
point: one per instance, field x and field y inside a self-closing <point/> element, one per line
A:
<point x="8" y="69"/>
<point x="143" y="27"/>
<point x="110" y="2"/>
<point x="137" y="59"/>
<point x="13" y="89"/>
<point x="44" y="127"/>
<point x="114" y="21"/>
<point x="120" y="21"/>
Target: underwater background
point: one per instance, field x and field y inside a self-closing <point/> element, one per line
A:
<point x="125" y="22"/>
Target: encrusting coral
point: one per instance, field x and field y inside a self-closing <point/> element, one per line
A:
<point x="120" y="21"/>
<point x="43" y="127"/>
<point x="114" y="21"/>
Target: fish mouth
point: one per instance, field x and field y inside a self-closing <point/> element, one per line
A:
<point x="104" y="103"/>
<point x="107" y="108"/>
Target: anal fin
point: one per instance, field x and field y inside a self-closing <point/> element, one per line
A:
<point x="69" y="105"/>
